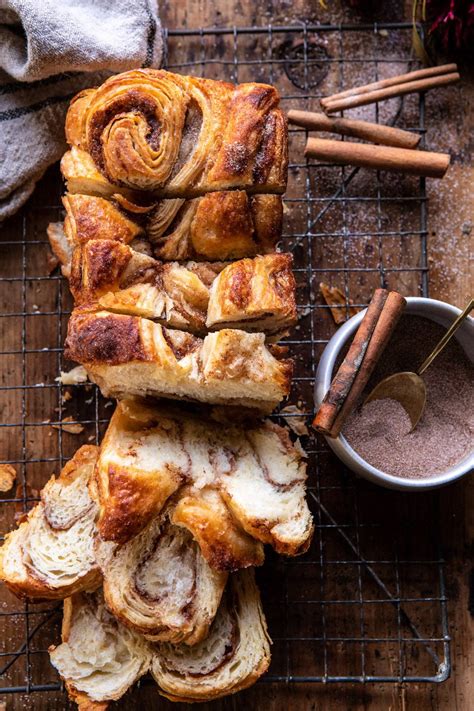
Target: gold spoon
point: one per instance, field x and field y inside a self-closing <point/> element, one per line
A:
<point x="408" y="388"/>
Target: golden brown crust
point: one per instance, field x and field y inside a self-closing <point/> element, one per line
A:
<point x="267" y="216"/>
<point x="111" y="339"/>
<point x="261" y="290"/>
<point x="90" y="218"/>
<point x="254" y="148"/>
<point x="223" y="542"/>
<point x="181" y="136"/>
<point x="229" y="225"/>
<point x="129" y="496"/>
<point x="131" y="499"/>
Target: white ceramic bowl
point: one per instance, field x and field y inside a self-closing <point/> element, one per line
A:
<point x="437" y="311"/>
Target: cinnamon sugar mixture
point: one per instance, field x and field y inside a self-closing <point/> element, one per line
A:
<point x="380" y="431"/>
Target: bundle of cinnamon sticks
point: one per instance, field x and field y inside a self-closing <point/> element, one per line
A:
<point x="420" y="80"/>
<point x="396" y="149"/>
<point x="348" y="384"/>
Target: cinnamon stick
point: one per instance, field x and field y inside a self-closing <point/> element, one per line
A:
<point x="372" y="336"/>
<point x="374" y="132"/>
<point x="350" y="102"/>
<point x="393" y="81"/>
<point x="402" y="160"/>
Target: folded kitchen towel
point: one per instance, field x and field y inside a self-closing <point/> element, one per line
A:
<point x="50" y="50"/>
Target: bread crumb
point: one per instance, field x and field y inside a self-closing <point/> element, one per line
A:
<point x="69" y="425"/>
<point x="296" y="423"/>
<point x="7" y="477"/>
<point x="341" y="310"/>
<point x="73" y="377"/>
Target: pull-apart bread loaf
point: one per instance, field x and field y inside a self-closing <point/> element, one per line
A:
<point x="232" y="488"/>
<point x="159" y="584"/>
<point x="251" y="294"/>
<point x="217" y="226"/>
<point x="177" y="136"/>
<point x="99" y="659"/>
<point x="50" y="555"/>
<point x="133" y="356"/>
<point x="234" y="655"/>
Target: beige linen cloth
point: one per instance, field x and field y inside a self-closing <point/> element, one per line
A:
<point x="50" y="50"/>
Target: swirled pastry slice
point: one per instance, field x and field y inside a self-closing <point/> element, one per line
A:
<point x="128" y="355"/>
<point x="234" y="655"/>
<point x="253" y="294"/>
<point x="178" y="136"/>
<point x="99" y="659"/>
<point x="50" y="555"/>
<point x="150" y="453"/>
<point x="159" y="583"/>
<point x="141" y="464"/>
<point x="266" y="490"/>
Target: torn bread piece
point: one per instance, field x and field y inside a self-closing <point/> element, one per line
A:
<point x="233" y="656"/>
<point x="50" y="555"/>
<point x="254" y="294"/>
<point x="223" y="541"/>
<point x="159" y="584"/>
<point x="99" y="658"/>
<point x="250" y="294"/>
<point x="233" y="487"/>
<point x="111" y="276"/>
<point x="133" y="356"/>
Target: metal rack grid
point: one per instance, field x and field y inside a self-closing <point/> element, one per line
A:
<point x="365" y="604"/>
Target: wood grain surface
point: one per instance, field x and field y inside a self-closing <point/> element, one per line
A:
<point x="450" y="222"/>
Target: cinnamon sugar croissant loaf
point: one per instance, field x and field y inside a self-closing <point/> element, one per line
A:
<point x="178" y="136"/>
<point x="133" y="356"/>
<point x="232" y="488"/>
<point x="50" y="555"/>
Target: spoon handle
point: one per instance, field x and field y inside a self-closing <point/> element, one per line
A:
<point x="447" y="337"/>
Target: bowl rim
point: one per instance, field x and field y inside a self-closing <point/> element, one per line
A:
<point x="341" y="446"/>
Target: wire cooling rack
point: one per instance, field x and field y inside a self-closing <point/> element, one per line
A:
<point x="368" y="602"/>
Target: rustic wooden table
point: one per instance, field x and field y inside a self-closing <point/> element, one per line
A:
<point x="450" y="222"/>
